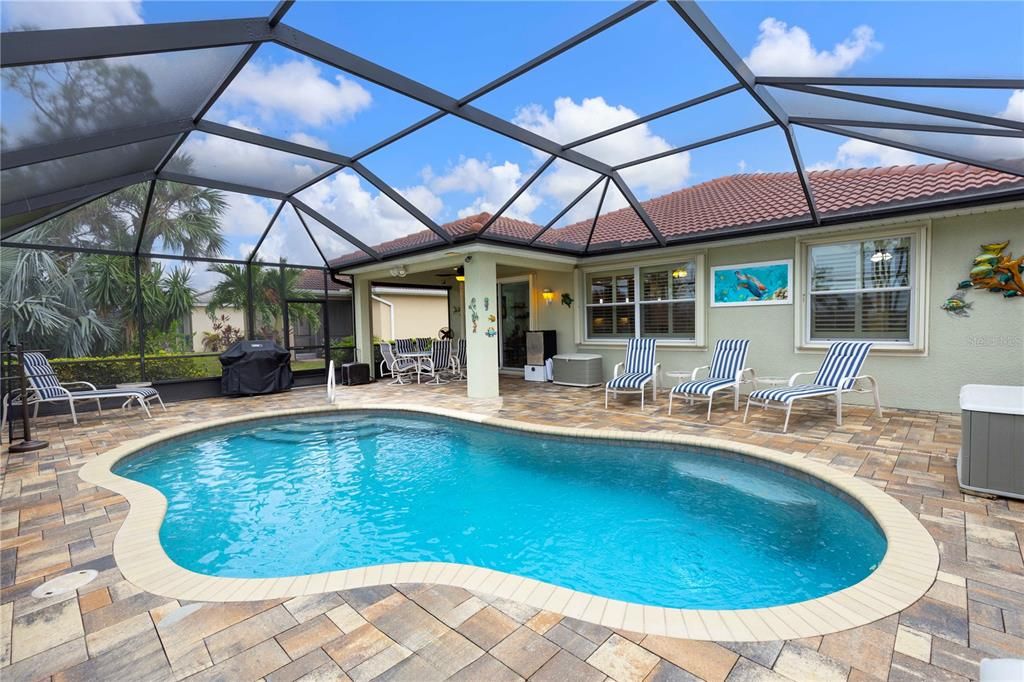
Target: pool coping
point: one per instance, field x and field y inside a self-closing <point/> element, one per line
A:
<point x="905" y="574"/>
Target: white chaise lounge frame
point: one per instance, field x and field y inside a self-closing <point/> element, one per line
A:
<point x="45" y="387"/>
<point x="640" y="367"/>
<point x="839" y="373"/>
<point x="725" y="372"/>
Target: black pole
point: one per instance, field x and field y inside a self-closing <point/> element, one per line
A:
<point x="325" y="311"/>
<point x="140" y="316"/>
<point x="250" y="305"/>
<point x="26" y="444"/>
<point x="284" y="308"/>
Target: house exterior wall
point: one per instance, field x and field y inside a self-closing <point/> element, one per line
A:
<point x="201" y="323"/>
<point x="987" y="347"/>
<point x="416" y="315"/>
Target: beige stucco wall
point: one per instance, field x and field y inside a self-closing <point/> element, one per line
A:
<point x="415" y="315"/>
<point x="986" y="348"/>
<point x="201" y="323"/>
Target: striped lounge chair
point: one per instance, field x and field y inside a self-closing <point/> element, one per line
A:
<point x="440" y="361"/>
<point x="727" y="370"/>
<point x="45" y="387"/>
<point x="637" y="371"/>
<point x="399" y="368"/>
<point x="405" y="346"/>
<point x="459" y="359"/>
<point x="839" y="373"/>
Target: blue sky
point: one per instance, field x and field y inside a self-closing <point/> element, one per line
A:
<point x="650" y="61"/>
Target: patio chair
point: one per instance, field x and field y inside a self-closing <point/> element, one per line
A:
<point x="725" y="371"/>
<point x="405" y="346"/>
<point x="400" y="368"/>
<point x="838" y="374"/>
<point x="424" y="343"/>
<point x="459" y="360"/>
<point x="440" y="360"/>
<point x="638" y="370"/>
<point x="45" y="387"/>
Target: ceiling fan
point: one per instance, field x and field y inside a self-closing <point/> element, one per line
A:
<point x="459" y="272"/>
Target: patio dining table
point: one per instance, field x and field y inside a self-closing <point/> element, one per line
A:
<point x="419" y="356"/>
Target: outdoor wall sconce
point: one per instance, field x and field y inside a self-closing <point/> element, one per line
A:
<point x="548" y="296"/>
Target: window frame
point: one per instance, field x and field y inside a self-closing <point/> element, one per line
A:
<point x="635" y="268"/>
<point x="918" y="286"/>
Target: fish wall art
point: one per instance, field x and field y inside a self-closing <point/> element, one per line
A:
<point x="956" y="305"/>
<point x="766" y="283"/>
<point x="474" y="316"/>
<point x="997" y="272"/>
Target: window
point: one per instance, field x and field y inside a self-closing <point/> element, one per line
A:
<point x="611" y="312"/>
<point x="861" y="290"/>
<point x="665" y="304"/>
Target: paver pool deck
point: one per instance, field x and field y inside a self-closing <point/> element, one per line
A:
<point x="52" y="522"/>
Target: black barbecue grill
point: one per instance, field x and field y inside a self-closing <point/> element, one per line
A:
<point x="255" y="368"/>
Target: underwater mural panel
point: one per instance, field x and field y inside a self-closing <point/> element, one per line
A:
<point x="765" y="283"/>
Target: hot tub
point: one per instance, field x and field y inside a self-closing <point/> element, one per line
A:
<point x="992" y="444"/>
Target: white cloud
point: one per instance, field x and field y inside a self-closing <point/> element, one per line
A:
<point x="48" y="15"/>
<point x="863" y="154"/>
<point x="297" y="89"/>
<point x="1007" y="149"/>
<point x="370" y="217"/>
<point x="782" y="50"/>
<point x="571" y="121"/>
<point x="493" y="183"/>
<point x="225" y="159"/>
<point x="855" y="153"/>
<point x="309" y="140"/>
<point x="1014" y="107"/>
<point x="742" y="165"/>
<point x="246" y="215"/>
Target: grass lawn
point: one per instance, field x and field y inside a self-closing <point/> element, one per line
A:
<point x="211" y="365"/>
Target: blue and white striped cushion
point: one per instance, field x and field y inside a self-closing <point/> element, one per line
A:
<point x="441" y="354"/>
<point x="630" y="380"/>
<point x="730" y="357"/>
<point x="145" y="391"/>
<point x="844" y="359"/>
<point x="788" y="394"/>
<point x="640" y="355"/>
<point x="405" y="345"/>
<point x="701" y="387"/>
<point x="42" y="376"/>
<point x="460" y="352"/>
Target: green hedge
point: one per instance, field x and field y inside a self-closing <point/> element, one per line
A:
<point x="119" y="369"/>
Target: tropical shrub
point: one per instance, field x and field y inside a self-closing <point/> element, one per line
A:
<point x="119" y="369"/>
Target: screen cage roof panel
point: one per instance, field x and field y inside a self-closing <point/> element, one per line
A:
<point x="585" y="139"/>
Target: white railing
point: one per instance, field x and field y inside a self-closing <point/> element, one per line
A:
<point x="330" y="383"/>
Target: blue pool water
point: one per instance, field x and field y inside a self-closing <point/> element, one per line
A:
<point x="629" y="521"/>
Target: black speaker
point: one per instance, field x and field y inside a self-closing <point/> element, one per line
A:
<point x="355" y="374"/>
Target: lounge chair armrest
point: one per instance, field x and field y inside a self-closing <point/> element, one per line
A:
<point x="792" y="379"/>
<point x="618" y="366"/>
<point x="853" y="380"/>
<point x="746" y="374"/>
<point x="92" y="387"/>
<point x="693" y="375"/>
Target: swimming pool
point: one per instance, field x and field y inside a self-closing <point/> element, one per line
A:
<point x="643" y="523"/>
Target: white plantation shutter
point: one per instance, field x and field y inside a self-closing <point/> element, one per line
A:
<point x="663" y="297"/>
<point x="861" y="290"/>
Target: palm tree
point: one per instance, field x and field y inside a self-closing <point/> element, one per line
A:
<point x="271" y="289"/>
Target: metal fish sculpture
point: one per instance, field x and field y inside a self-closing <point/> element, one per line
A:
<point x="955" y="305"/>
<point x="751" y="284"/>
<point x="997" y="272"/>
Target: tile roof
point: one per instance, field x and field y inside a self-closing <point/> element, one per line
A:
<point x="736" y="201"/>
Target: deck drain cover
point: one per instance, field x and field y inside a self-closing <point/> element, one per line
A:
<point x="62" y="584"/>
